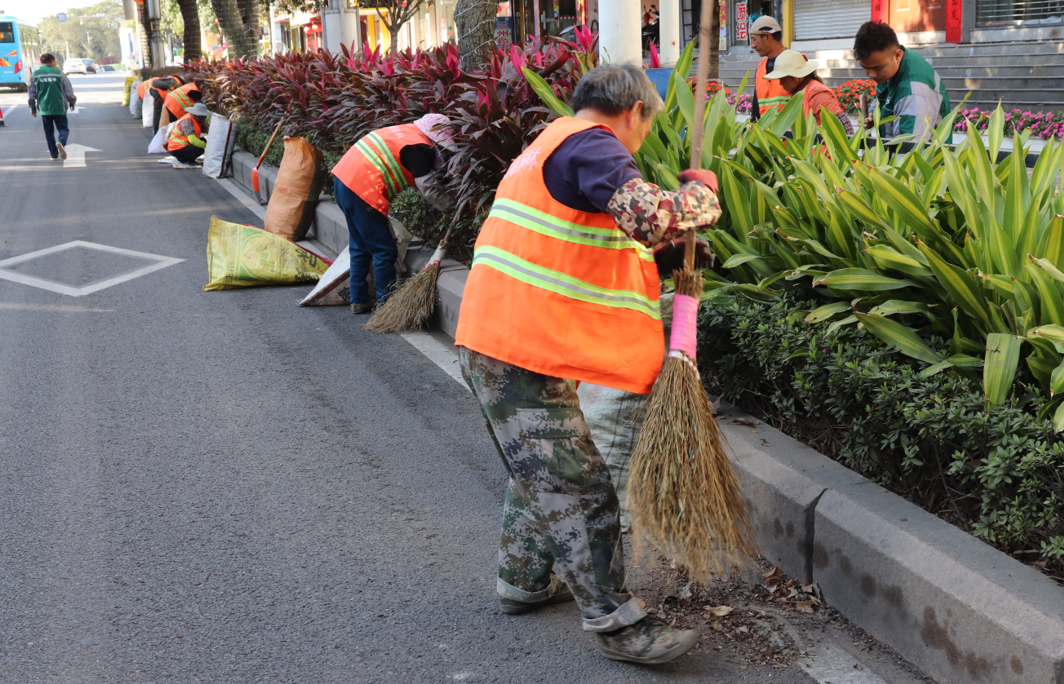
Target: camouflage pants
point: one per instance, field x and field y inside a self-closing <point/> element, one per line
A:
<point x="561" y="511"/>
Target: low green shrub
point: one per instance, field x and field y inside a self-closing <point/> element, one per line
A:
<point x="253" y="140"/>
<point x="997" y="473"/>
<point x="429" y="223"/>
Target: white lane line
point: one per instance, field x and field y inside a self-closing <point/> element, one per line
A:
<point x="242" y="197"/>
<point x="832" y="665"/>
<point x="440" y="354"/>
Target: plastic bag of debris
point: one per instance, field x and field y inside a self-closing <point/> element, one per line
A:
<point x="147" y="110"/>
<point x="296" y="190"/>
<point x="244" y="256"/>
<point x="334" y="288"/>
<point x="158" y="143"/>
<point x="220" y="144"/>
<point x="135" y="103"/>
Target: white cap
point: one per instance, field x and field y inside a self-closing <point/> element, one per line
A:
<point x="791" y="63"/>
<point x="766" y="24"/>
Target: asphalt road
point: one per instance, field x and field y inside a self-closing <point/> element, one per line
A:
<point x="225" y="487"/>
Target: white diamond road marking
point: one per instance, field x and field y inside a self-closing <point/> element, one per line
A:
<point x="161" y="262"/>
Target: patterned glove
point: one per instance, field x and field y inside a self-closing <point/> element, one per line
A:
<point x="706" y="178"/>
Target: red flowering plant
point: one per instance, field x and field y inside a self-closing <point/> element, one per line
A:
<point x="712" y="87"/>
<point x="849" y="93"/>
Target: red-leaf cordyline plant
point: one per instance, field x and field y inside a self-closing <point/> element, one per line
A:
<point x="333" y="100"/>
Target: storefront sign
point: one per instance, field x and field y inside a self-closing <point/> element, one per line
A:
<point x="503" y="32"/>
<point x="954" y="21"/>
<point x="879" y="10"/>
<point x="740" y="21"/>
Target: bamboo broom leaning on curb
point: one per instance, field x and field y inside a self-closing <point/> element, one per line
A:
<point x="683" y="494"/>
<point x="408" y="308"/>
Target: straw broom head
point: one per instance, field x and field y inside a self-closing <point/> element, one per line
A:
<point x="683" y="494"/>
<point x="408" y="309"/>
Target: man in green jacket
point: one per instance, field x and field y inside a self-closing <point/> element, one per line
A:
<point x="51" y="93"/>
<point x="906" y="85"/>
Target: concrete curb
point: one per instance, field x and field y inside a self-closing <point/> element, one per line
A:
<point x="952" y="605"/>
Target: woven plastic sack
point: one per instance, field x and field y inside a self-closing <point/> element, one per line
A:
<point x="220" y="144"/>
<point x="243" y="256"/>
<point x="158" y="143"/>
<point x="296" y="190"/>
<point x="135" y="104"/>
<point x="334" y="288"/>
<point x="147" y="110"/>
<point x="130" y="80"/>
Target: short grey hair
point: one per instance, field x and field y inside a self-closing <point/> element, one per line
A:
<point x="615" y="88"/>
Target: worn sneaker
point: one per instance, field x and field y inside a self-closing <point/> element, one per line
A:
<point x="648" y="641"/>
<point x="361" y="307"/>
<point x="62" y="150"/>
<point x="558" y="593"/>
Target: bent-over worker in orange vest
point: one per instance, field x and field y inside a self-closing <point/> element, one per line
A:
<point x="177" y="101"/>
<point x="564" y="288"/>
<point x="766" y="38"/>
<point x="186" y="141"/>
<point x="158" y="88"/>
<point x="798" y="75"/>
<point x="380" y="166"/>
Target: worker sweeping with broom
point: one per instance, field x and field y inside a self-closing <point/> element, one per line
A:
<point x="564" y="287"/>
<point x="380" y="166"/>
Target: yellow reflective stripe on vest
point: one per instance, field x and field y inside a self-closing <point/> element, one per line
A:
<point x="184" y="100"/>
<point x="563" y="284"/>
<point x="376" y="151"/>
<point x="773" y="101"/>
<point x="373" y="158"/>
<point x="543" y="223"/>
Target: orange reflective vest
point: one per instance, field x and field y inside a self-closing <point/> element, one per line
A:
<point x="177" y="99"/>
<point x="143" y="87"/>
<point x="371" y="168"/>
<point x="770" y="94"/>
<point x="558" y="291"/>
<point x="178" y="139"/>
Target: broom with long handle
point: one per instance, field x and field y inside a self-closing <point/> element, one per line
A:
<point x="255" y="171"/>
<point x="683" y="494"/>
<point x="409" y="308"/>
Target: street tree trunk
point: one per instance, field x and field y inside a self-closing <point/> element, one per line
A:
<point x="240" y="24"/>
<point x="192" y="39"/>
<point x="714" y="43"/>
<point x="474" y="22"/>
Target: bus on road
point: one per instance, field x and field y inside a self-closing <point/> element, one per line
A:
<point x="20" y="52"/>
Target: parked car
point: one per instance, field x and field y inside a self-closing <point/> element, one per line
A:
<point x="75" y="65"/>
<point x="91" y="66"/>
<point x="107" y="67"/>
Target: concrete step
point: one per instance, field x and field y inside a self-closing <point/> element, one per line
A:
<point x="992" y="49"/>
<point x="981" y="82"/>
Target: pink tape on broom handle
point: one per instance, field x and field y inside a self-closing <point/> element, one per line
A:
<point x="684" y="325"/>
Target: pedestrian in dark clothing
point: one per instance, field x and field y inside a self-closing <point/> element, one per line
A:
<point x="50" y="92"/>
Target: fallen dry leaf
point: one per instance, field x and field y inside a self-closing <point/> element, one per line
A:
<point x="774" y="574"/>
<point x="764" y="443"/>
<point x="749" y="422"/>
<point x="715" y="405"/>
<point x="804" y="606"/>
<point x="719" y="611"/>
